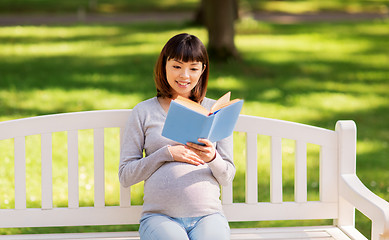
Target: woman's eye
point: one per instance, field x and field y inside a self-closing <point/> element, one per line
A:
<point x="176" y="67"/>
<point x="194" y="69"/>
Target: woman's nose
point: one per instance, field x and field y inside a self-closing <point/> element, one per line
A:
<point x="184" y="73"/>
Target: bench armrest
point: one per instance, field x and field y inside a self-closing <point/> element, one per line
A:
<point x="371" y="205"/>
<point x="352" y="190"/>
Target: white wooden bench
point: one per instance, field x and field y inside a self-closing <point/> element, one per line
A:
<point x="341" y="192"/>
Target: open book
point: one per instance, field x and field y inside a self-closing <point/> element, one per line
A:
<point x="187" y="121"/>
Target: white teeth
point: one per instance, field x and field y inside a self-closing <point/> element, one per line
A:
<point x="183" y="83"/>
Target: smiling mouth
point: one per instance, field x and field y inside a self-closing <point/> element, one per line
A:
<point x="183" y="83"/>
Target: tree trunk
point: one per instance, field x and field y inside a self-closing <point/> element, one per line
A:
<point x="199" y="17"/>
<point x="220" y="16"/>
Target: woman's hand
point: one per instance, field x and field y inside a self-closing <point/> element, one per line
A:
<point x="193" y="153"/>
<point x="207" y="153"/>
<point x="183" y="153"/>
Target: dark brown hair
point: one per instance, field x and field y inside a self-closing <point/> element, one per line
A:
<point x="182" y="47"/>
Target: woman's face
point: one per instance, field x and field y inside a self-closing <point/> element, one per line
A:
<point x="183" y="76"/>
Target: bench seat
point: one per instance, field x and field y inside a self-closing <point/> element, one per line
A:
<point x="319" y="232"/>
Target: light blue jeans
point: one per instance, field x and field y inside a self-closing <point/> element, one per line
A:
<point x="162" y="227"/>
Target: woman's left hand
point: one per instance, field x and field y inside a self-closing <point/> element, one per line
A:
<point x="207" y="153"/>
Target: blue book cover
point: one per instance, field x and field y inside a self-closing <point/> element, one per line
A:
<point x="187" y="124"/>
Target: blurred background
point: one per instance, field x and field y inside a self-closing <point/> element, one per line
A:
<point x="309" y="61"/>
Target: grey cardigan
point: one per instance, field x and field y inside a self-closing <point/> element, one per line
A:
<point x="172" y="188"/>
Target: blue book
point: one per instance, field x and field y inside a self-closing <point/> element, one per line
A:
<point x="187" y="121"/>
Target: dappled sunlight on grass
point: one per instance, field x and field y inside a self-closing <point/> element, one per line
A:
<point x="86" y="48"/>
<point x="226" y="83"/>
<point x="371" y="146"/>
<point x="41" y="102"/>
<point x="23" y="33"/>
<point x="103" y="41"/>
<point x="303" y="43"/>
<point x="82" y="49"/>
<point x="312" y="6"/>
<point x="333" y="103"/>
<point x="355" y="87"/>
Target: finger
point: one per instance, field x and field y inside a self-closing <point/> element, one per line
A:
<point x="209" y="150"/>
<point x="205" y="141"/>
<point x="195" y="161"/>
<point x="193" y="156"/>
<point x="203" y="148"/>
<point x="194" y="146"/>
<point x="200" y="151"/>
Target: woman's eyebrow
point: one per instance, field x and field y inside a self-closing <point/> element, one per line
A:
<point x="194" y="63"/>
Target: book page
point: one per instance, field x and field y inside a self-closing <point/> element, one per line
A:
<point x="192" y="105"/>
<point x="221" y="101"/>
<point x="227" y="104"/>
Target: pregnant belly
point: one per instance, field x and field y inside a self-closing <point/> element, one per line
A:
<point x="181" y="183"/>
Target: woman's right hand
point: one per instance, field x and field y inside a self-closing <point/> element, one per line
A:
<point x="182" y="153"/>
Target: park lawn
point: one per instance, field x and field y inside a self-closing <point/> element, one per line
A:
<point x="96" y="6"/>
<point x="309" y="73"/>
<point x="124" y="6"/>
<point x="313" y="6"/>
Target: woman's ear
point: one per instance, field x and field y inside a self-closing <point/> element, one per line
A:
<point x="204" y="66"/>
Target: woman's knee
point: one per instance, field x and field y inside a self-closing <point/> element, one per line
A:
<point x="159" y="227"/>
<point x="211" y="227"/>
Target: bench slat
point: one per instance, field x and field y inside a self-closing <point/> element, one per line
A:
<point x="125" y="193"/>
<point x="328" y="168"/>
<point x="276" y="170"/>
<point x="63" y="122"/>
<point x="99" y="167"/>
<point x="82" y="216"/>
<point x="251" y="169"/>
<point x="265" y="211"/>
<point x="300" y="176"/>
<point x="279" y="233"/>
<point x="47" y="171"/>
<point x="125" y="196"/>
<point x="73" y="183"/>
<point x="285" y="129"/>
<point x="20" y="172"/>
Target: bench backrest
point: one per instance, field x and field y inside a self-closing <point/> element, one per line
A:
<point x="126" y="213"/>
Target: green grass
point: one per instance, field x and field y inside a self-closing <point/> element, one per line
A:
<point x="311" y="6"/>
<point x="117" y="6"/>
<point x="309" y="73"/>
<point x="96" y="6"/>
